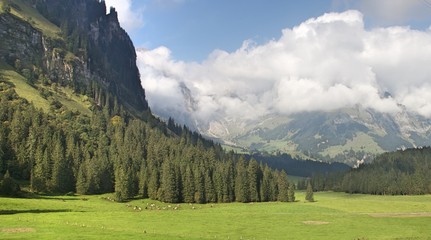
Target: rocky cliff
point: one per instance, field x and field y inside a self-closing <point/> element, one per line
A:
<point x="89" y="47"/>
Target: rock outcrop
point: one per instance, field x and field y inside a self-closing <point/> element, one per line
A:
<point x="90" y="48"/>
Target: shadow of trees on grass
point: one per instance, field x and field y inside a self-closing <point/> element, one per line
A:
<point x="11" y="212"/>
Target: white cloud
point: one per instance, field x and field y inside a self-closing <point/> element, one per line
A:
<point x="130" y="18"/>
<point x="324" y="64"/>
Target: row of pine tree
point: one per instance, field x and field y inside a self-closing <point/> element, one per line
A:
<point x="404" y="172"/>
<point x="64" y="151"/>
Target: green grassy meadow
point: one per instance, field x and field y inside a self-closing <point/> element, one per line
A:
<point x="333" y="216"/>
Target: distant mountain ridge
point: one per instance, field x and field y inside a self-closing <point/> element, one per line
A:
<point x="346" y="135"/>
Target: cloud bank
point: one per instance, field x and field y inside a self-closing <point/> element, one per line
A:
<point x="324" y="64"/>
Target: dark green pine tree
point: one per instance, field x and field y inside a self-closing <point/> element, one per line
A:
<point x="168" y="185"/>
<point x="38" y="179"/>
<point x="229" y="182"/>
<point x="219" y="181"/>
<point x="283" y="187"/>
<point x="9" y="186"/>
<point x="199" y="185"/>
<point x="82" y="179"/>
<point x="143" y="181"/>
<point x="31" y="146"/>
<point x="266" y="186"/>
<point x="242" y="193"/>
<point x="210" y="194"/>
<point x="103" y="164"/>
<point x="253" y="174"/>
<point x="291" y="193"/>
<point x="62" y="180"/>
<point x="153" y="183"/>
<point x="309" y="195"/>
<point x="188" y="186"/>
<point x="17" y="136"/>
<point x="124" y="181"/>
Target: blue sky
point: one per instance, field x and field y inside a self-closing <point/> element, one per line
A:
<point x="192" y="29"/>
<point x="195" y="28"/>
<point x="305" y="55"/>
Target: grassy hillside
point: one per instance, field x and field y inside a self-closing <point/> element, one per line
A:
<point x="34" y="94"/>
<point x="26" y="12"/>
<point x="360" y="142"/>
<point x="333" y="216"/>
<point x="21" y="87"/>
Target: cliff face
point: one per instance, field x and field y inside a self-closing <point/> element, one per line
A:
<point x="92" y="47"/>
<point x="19" y="40"/>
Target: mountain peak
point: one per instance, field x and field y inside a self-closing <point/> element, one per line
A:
<point x="110" y="53"/>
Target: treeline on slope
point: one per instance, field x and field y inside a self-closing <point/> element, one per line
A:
<point x="301" y="168"/>
<point x="66" y="151"/>
<point x="404" y="172"/>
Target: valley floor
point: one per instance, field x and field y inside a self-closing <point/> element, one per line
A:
<point x="332" y="216"/>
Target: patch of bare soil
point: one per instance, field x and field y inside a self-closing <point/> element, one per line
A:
<point x="17" y="230"/>
<point x="315" y="222"/>
<point x="400" y="215"/>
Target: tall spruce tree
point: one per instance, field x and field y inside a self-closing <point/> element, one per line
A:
<point x="266" y="190"/>
<point x="253" y="173"/>
<point x="153" y="183"/>
<point x="199" y="185"/>
<point x="62" y="180"/>
<point x="168" y="186"/>
<point x="210" y="195"/>
<point x="283" y="187"/>
<point x="124" y="181"/>
<point x="291" y="193"/>
<point x="309" y="195"/>
<point x="188" y="186"/>
<point x="143" y="180"/>
<point x="242" y="193"/>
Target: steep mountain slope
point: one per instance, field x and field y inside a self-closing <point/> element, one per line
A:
<point x="74" y="43"/>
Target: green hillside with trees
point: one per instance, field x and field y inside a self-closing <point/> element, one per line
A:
<point x="404" y="172"/>
<point x="65" y="151"/>
<point x="74" y="118"/>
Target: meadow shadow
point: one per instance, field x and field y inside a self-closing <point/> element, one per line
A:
<point x="36" y="211"/>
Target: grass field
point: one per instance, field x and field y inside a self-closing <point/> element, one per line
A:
<point x="333" y="216"/>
